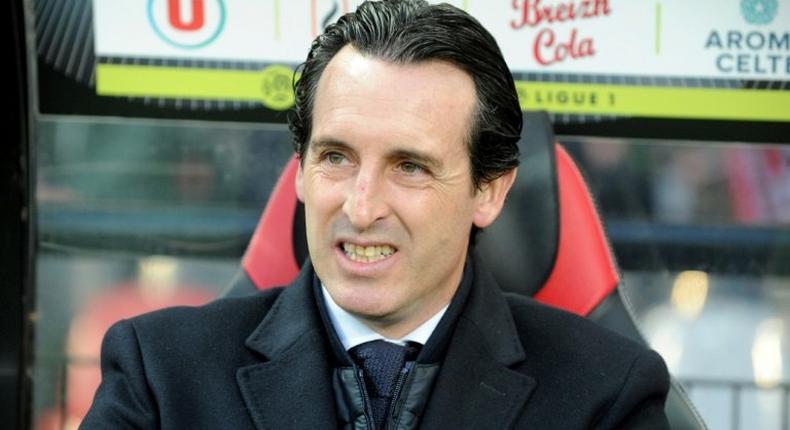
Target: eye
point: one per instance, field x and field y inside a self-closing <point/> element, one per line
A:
<point x="334" y="158"/>
<point x="411" y="168"/>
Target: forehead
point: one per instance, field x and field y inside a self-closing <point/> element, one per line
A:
<point x="361" y="98"/>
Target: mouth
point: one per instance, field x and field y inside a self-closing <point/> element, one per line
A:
<point x="367" y="253"/>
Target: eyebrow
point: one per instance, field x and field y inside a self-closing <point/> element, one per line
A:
<point x="325" y="143"/>
<point x="418" y="156"/>
<point x="415" y="155"/>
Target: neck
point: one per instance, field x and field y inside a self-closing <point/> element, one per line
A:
<point x="398" y="328"/>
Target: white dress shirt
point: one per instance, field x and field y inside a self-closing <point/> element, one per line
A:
<point x="352" y="332"/>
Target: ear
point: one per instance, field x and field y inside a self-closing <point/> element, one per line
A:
<point x="299" y="181"/>
<point x="491" y="198"/>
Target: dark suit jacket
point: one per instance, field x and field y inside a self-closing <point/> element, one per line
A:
<point x="261" y="362"/>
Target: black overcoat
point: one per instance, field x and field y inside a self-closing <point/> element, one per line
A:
<point x="261" y="362"/>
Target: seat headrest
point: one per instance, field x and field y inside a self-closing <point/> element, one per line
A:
<point x="520" y="247"/>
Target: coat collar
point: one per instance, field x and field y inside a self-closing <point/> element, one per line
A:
<point x="293" y="314"/>
<point x="487" y="310"/>
<point x="476" y="387"/>
<point x="295" y="370"/>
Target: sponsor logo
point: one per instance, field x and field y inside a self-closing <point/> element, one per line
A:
<point x="551" y="47"/>
<point x="187" y="24"/>
<point x="759" y="12"/>
<point x="754" y="52"/>
<point x="276" y="87"/>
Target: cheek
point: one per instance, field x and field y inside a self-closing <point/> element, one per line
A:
<point x="444" y="218"/>
<point x="323" y="202"/>
<point x="322" y="194"/>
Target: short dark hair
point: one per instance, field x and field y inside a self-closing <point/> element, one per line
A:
<point x="413" y="31"/>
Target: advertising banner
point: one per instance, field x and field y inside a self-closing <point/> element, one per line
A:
<point x="728" y="39"/>
<point x="583" y="60"/>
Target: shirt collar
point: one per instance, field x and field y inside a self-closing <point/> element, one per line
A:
<point x="352" y="332"/>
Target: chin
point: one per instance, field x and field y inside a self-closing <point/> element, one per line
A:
<point x="364" y="303"/>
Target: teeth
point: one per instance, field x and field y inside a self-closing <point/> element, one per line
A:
<point x="367" y="254"/>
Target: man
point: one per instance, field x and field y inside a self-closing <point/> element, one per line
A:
<point x="406" y="127"/>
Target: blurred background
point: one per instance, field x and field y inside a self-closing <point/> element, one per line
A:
<point x="148" y="200"/>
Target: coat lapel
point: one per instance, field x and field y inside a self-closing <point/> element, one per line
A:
<point x="476" y="387"/>
<point x="291" y="388"/>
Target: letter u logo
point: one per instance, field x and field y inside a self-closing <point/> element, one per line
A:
<point x="187" y="24"/>
<point x="176" y="15"/>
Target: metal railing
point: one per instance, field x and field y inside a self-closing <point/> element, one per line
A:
<point x="736" y="390"/>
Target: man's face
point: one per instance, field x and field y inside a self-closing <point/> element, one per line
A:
<point x="386" y="183"/>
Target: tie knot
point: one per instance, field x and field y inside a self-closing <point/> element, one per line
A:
<point x="378" y="355"/>
<point x="380" y="348"/>
<point x="382" y="363"/>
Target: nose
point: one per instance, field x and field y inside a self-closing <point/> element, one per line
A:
<point x="366" y="201"/>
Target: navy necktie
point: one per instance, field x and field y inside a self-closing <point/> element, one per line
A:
<point x="382" y="363"/>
